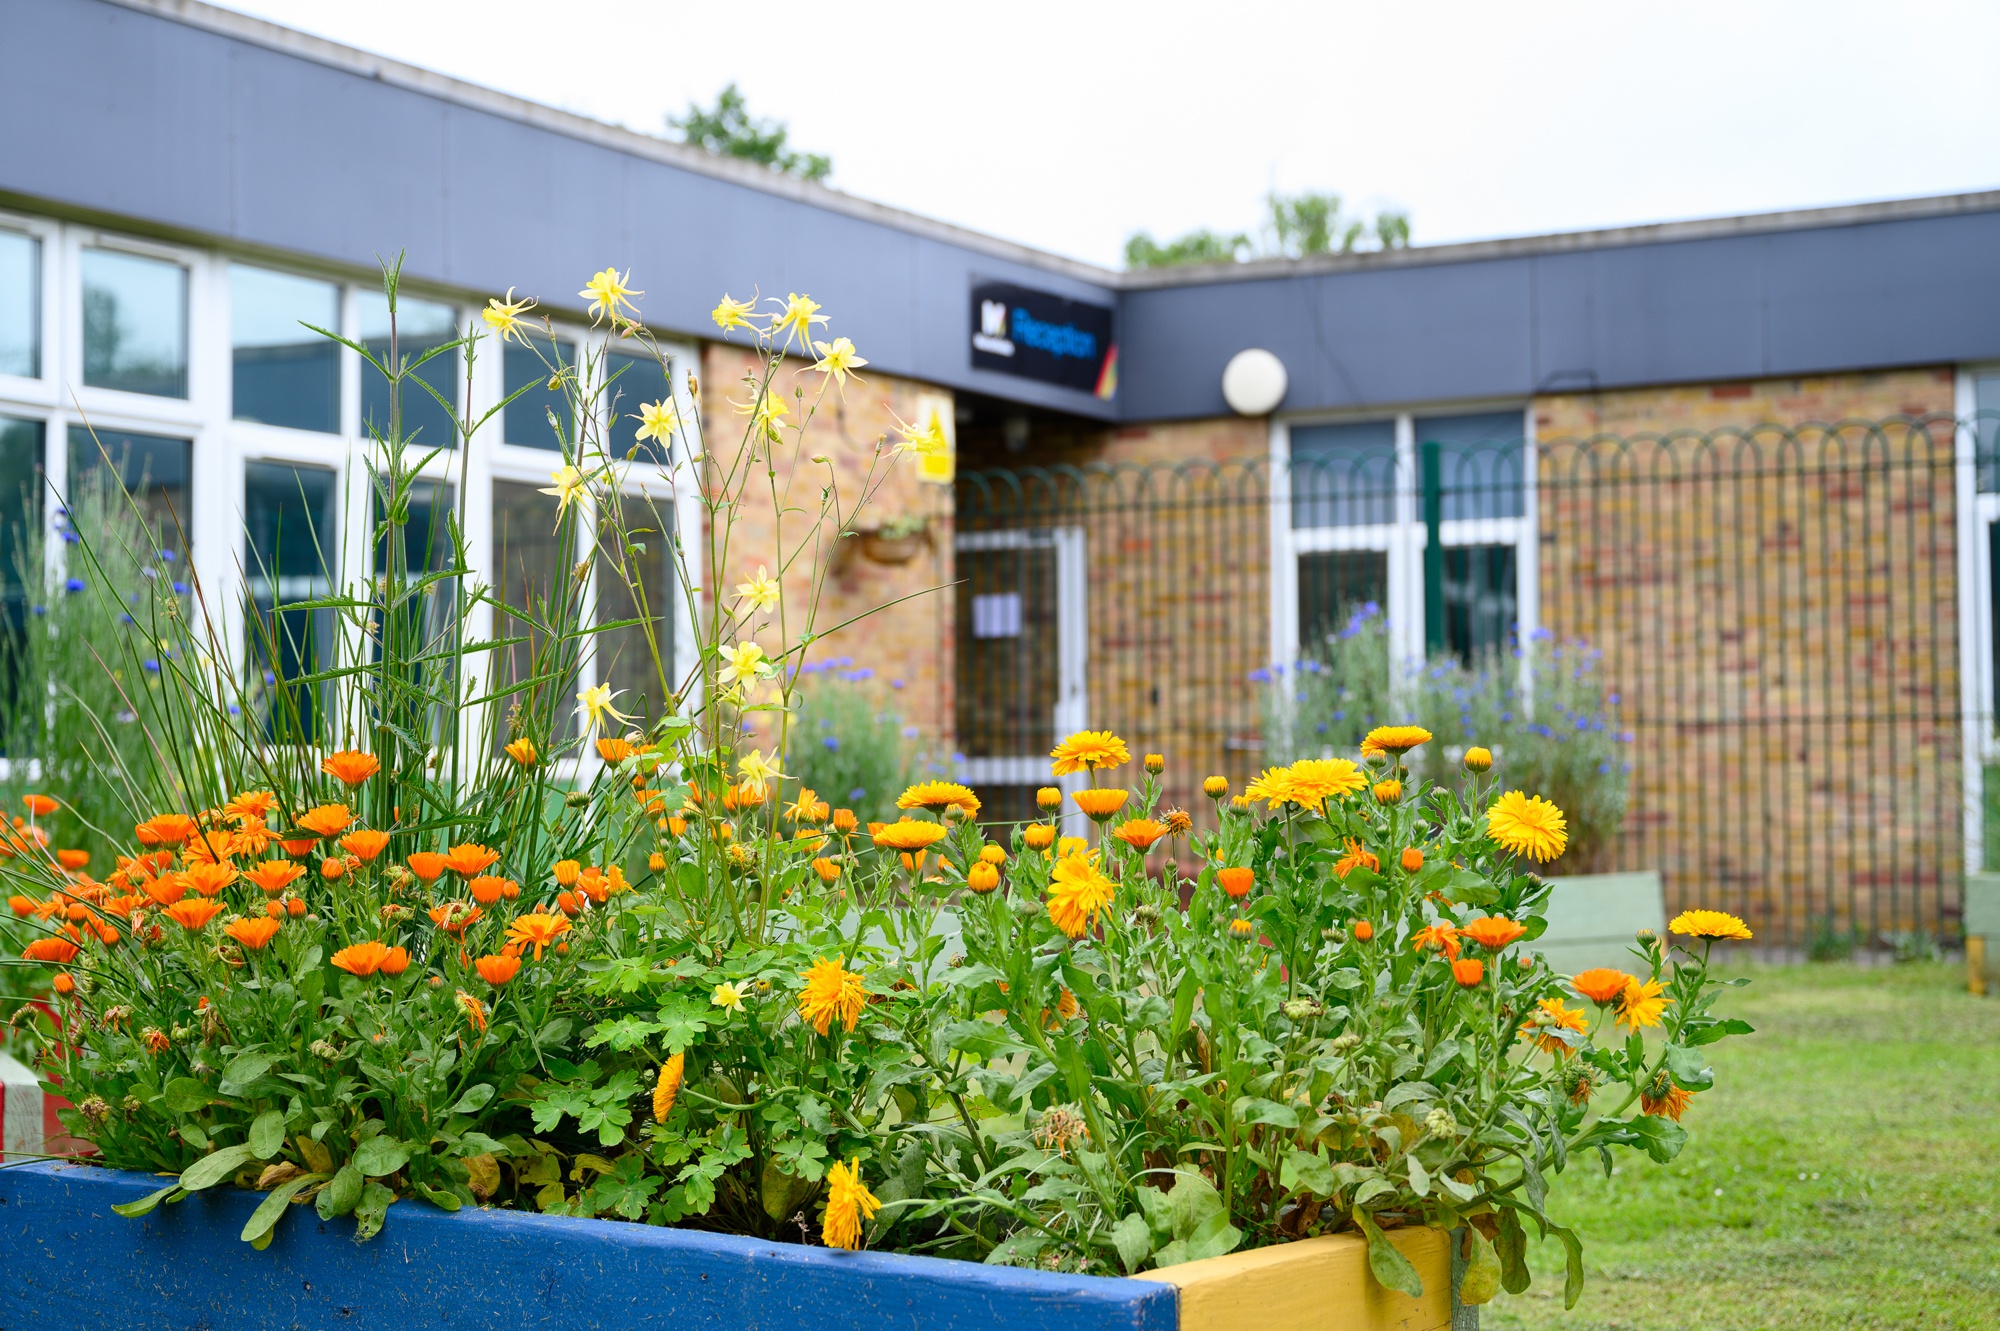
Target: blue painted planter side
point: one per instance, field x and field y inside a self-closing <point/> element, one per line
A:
<point x="71" y="1262"/>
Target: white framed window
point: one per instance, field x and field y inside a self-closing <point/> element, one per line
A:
<point x="1354" y="500"/>
<point x="1977" y="407"/>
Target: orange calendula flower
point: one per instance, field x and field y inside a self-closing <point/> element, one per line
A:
<point x="496" y="971"/>
<point x="1356" y="858"/>
<point x="1642" y="1003"/>
<point x="1139" y="833"/>
<point x="1089" y="751"/>
<point x="982" y="877"/>
<point x="1661" y="1098"/>
<point x="1412" y="859"/>
<point x="1361" y="929"/>
<point x="1468" y="971"/>
<point x="167" y="829"/>
<point x="566" y="872"/>
<point x="365" y="844"/>
<point x="993" y="855"/>
<point x="455" y="917"/>
<point x="668" y="1088"/>
<point x="849" y="1205"/>
<point x="72" y="859"/>
<point x="522" y="751"/>
<point x="61" y="951"/>
<point x="909" y="834"/>
<point x="40" y="805"/>
<point x="1236" y="881"/>
<point x="361" y="958"/>
<point x="396" y="962"/>
<point x="486" y="890"/>
<point x="1527" y="826"/>
<point x="328" y="820"/>
<point x="274" y="876"/>
<point x="155" y="1040"/>
<point x="427" y="865"/>
<point x="1388" y="792"/>
<point x="1077" y="892"/>
<point x="937" y="796"/>
<point x="1038" y="836"/>
<point x="252" y="806"/>
<point x="475" y="1011"/>
<point x="1493" y="932"/>
<point x="1709" y="924"/>
<point x="832" y="992"/>
<point x="612" y="749"/>
<point x="210" y="879"/>
<point x="1101" y="804"/>
<point x="331" y="869"/>
<point x="167" y="888"/>
<point x="1215" y="787"/>
<point x="1439" y="937"/>
<point x="1394" y="739"/>
<point x="1478" y="759"/>
<point x="1602" y="986"/>
<point x="470" y="858"/>
<point x="252" y="933"/>
<point x="195" y="913"/>
<point x="1552" y="1014"/>
<point x="844" y="821"/>
<point x="351" y="767"/>
<point x="63" y="983"/>
<point x="827" y="869"/>
<point x="537" y="930"/>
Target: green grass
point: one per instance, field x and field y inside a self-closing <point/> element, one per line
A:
<point x="1845" y="1172"/>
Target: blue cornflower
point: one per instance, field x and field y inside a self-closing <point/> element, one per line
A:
<point x="73" y="585"/>
<point x="832" y="743"/>
<point x="857" y="794"/>
<point x="150" y="666"/>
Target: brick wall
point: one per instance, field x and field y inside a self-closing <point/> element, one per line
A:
<point x="1777" y="610"/>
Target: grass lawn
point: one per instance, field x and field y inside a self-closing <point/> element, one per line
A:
<point x="1844" y="1172"/>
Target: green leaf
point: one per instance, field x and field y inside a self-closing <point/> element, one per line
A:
<point x="1133" y="1238"/>
<point x="1420" y="1178"/>
<point x="1689" y="1069"/>
<point x="1532" y="1182"/>
<point x="1252" y="1110"/>
<point x="1573" y="1279"/>
<point x="342" y="1194"/>
<point x="244" y="1070"/>
<point x="267" y="1133"/>
<point x="1406" y="1092"/>
<point x="1513" y="1252"/>
<point x="474" y="1099"/>
<point x="265" y="1218"/>
<point x="380" y="1155"/>
<point x="212" y="1169"/>
<point x="1469" y="889"/>
<point x="1212" y="1238"/>
<point x="185" y="1095"/>
<point x="371" y="1211"/>
<point x="1390" y="1266"/>
<point x="442" y="1198"/>
<point x="144" y="1206"/>
<point x="1304" y="1169"/>
<point x="1482" y="1273"/>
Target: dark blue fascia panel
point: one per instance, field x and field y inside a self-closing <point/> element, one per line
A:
<point x="186" y="129"/>
<point x="73" y="1263"/>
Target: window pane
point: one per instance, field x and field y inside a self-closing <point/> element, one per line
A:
<point x="283" y="373"/>
<point x="134" y="323"/>
<point x="527" y="417"/>
<point x="530" y="559"/>
<point x="624" y="656"/>
<point x="288" y="551"/>
<point x="1344" y="475"/>
<point x="420" y="325"/>
<point x="424" y="623"/>
<point x="20" y="305"/>
<point x="1338" y="590"/>
<point x="638" y="380"/>
<point x="1479" y="603"/>
<point x="1008" y="662"/>
<point x="1479" y="463"/>
<point x="153" y="467"/>
<point x="1986" y="418"/>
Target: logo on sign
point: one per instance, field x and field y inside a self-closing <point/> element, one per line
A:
<point x="992" y="335"/>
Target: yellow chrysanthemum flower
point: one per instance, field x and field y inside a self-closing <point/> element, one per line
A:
<point x="1527" y="826"/>
<point x="848" y="1205"/>
<point x="1089" y="750"/>
<point x="1077" y="891"/>
<point x="937" y="796"/>
<point x="832" y="993"/>
<point x="1709" y="924"/>
<point x="1394" y="739"/>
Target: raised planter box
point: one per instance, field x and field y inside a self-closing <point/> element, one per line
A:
<point x="1593" y="918"/>
<point x="73" y="1263"/>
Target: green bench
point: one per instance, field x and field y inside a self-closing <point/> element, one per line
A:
<point x="1593" y="918"/>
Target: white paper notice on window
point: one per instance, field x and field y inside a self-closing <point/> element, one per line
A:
<point x="997" y="616"/>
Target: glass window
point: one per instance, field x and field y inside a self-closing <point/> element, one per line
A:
<point x="635" y="380"/>
<point x="532" y="552"/>
<point x="1344" y="475"/>
<point x="153" y="467"/>
<point x="1479" y="463"/>
<point x="20" y="305"/>
<point x="625" y="656"/>
<point x="288" y="554"/>
<point x="420" y="326"/>
<point x="134" y="323"/>
<point x="526" y="418"/>
<point x="282" y="372"/>
<point x="424" y="543"/>
<point x="1479" y="599"/>
<point x="1338" y="591"/>
<point x="1986" y="428"/>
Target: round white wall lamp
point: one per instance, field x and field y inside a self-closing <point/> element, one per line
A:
<point x="1254" y="382"/>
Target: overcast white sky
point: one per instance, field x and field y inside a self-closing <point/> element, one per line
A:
<point x="1069" y="125"/>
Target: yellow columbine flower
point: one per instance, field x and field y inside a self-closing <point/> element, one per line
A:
<point x="607" y="291"/>
<point x="837" y="358"/>
<point x="594" y="704"/>
<point x="758" y="770"/>
<point x="768" y="409"/>
<point x="504" y="316"/>
<point x="730" y="314"/>
<point x="727" y="997"/>
<point x="569" y="484"/>
<point x="926" y="440"/>
<point x="657" y="420"/>
<point x="761" y="591"/>
<point x="797" y="319"/>
<point x="745" y="661"/>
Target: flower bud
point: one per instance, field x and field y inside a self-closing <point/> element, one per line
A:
<point x="1215" y="787"/>
<point x="1363" y="930"/>
<point x="1048" y="797"/>
<point x="1389" y="792"/>
<point x="1156" y="763"/>
<point x="1038" y="836"/>
<point x="1413" y="859"/>
<point x="982" y="878"/>
<point x="1478" y="759"/>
